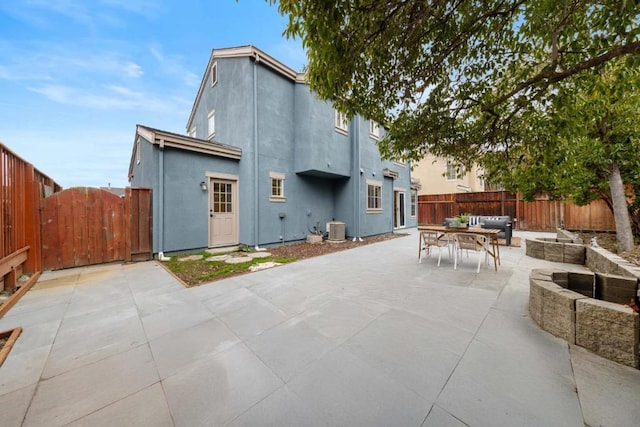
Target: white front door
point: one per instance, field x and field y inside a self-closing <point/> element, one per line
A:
<point x="399" y="209"/>
<point x="223" y="212"/>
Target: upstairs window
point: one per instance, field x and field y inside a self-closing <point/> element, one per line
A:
<point x="453" y="170"/>
<point x="374" y="129"/>
<point x="341" y="122"/>
<point x="214" y="74"/>
<point x="212" y="124"/>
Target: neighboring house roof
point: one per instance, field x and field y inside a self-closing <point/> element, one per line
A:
<point x="118" y="191"/>
<point x="183" y="142"/>
<point x="249" y="51"/>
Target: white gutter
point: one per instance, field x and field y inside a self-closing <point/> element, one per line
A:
<point x="256" y="208"/>
<point x="161" y="256"/>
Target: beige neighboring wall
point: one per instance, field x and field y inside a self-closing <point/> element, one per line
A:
<point x="431" y="171"/>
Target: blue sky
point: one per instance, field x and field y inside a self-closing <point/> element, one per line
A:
<point x="76" y="76"/>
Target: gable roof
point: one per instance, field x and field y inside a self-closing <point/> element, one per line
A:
<point x="164" y="138"/>
<point x="248" y="51"/>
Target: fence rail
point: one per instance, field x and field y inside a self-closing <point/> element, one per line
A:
<point x="22" y="187"/>
<point x="541" y="214"/>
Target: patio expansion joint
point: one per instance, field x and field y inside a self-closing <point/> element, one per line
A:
<point x="40" y="378"/>
<point x="455" y="368"/>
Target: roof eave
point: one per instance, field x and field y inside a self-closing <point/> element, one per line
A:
<point x="249" y="51"/>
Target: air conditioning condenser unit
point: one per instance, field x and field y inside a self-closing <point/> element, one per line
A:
<point x="336" y="230"/>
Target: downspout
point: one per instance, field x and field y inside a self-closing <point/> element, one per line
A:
<point x="357" y="183"/>
<point x="256" y="207"/>
<point x="161" y="256"/>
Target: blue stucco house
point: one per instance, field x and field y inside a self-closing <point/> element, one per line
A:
<point x="265" y="161"/>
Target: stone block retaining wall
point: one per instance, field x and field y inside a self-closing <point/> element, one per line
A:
<point x="557" y="250"/>
<point x="607" y="329"/>
<point x="601" y="260"/>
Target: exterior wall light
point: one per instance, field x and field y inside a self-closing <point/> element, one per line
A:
<point x="203" y="186"/>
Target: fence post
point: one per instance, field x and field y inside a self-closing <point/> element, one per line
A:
<point x="32" y="221"/>
<point x="127" y="224"/>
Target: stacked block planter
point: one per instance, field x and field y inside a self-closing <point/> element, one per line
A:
<point x="556" y="250"/>
<point x="561" y="303"/>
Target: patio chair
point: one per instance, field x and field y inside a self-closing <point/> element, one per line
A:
<point x="470" y="242"/>
<point x="432" y="239"/>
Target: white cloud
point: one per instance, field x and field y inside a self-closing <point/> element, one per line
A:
<point x="47" y="61"/>
<point x="111" y="97"/>
<point x="173" y="66"/>
<point x="41" y="13"/>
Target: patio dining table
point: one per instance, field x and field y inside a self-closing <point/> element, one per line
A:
<point x="490" y="233"/>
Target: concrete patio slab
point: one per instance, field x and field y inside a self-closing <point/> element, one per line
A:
<point x="15" y="404"/>
<point x="219" y="389"/>
<point x="421" y="358"/>
<point x="303" y="345"/>
<point x="85" y="339"/>
<point x="146" y="407"/>
<point x="608" y="391"/>
<point x="438" y="417"/>
<point x="513" y="371"/>
<point x="80" y="392"/>
<point x="348" y="391"/>
<point x="178" y="349"/>
<point x="22" y="369"/>
<point x="363" y="337"/>
<point x="281" y="408"/>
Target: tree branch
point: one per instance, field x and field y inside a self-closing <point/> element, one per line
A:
<point x="552" y="76"/>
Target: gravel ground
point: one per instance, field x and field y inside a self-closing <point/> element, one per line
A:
<point x="608" y="241"/>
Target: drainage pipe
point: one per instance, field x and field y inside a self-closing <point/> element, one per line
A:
<point x="256" y="207"/>
<point x="356" y="173"/>
<point x="161" y="256"/>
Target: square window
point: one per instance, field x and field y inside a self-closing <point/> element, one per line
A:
<point x="277" y="187"/>
<point x="374" y="129"/>
<point x="212" y="124"/>
<point x="454" y="170"/>
<point x="214" y="74"/>
<point x="341" y="122"/>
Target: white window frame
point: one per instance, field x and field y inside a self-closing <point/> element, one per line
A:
<point x="211" y="124"/>
<point x="192" y="132"/>
<point x="374" y="129"/>
<point x="277" y="177"/>
<point x="414" y="203"/>
<point x="341" y="122"/>
<point x="213" y="74"/>
<point x="456" y="167"/>
<point x="376" y="206"/>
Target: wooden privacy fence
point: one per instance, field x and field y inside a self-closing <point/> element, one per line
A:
<point x="22" y="187"/>
<point x="85" y="226"/>
<point x="541" y="214"/>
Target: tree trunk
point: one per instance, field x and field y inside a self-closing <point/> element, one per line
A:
<point x="624" y="235"/>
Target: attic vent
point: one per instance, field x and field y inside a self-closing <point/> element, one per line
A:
<point x="336" y="230"/>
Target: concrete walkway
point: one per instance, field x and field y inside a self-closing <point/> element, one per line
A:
<point x="362" y="337"/>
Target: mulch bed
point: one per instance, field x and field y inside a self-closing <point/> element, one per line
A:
<point x="308" y="250"/>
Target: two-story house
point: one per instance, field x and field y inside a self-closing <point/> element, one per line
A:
<point x="265" y="161"/>
<point x="439" y="175"/>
